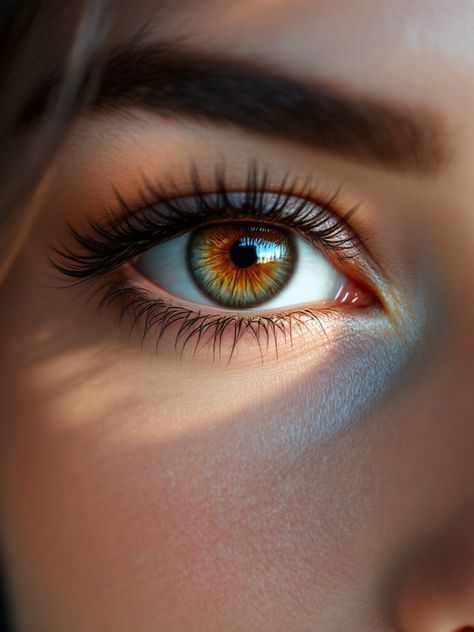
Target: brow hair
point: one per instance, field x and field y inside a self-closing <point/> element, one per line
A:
<point x="174" y="81"/>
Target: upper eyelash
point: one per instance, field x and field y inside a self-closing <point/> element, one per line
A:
<point x="102" y="248"/>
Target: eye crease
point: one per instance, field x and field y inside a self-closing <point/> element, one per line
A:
<point x="212" y="266"/>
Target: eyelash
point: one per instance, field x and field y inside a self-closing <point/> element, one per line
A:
<point x="101" y="249"/>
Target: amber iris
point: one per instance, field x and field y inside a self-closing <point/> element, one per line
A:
<point x="241" y="264"/>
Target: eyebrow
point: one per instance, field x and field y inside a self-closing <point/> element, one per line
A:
<point x="258" y="98"/>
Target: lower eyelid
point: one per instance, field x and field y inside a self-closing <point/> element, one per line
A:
<point x="172" y="327"/>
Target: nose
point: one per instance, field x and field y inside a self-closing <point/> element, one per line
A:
<point x="437" y="593"/>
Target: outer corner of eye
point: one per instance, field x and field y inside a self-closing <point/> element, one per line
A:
<point x="354" y="294"/>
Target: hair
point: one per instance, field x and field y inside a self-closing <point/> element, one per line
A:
<point x="35" y="49"/>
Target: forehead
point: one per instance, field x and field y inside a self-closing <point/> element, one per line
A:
<point x="416" y="23"/>
<point x="370" y="44"/>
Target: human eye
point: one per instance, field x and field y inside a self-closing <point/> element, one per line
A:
<point x="220" y="268"/>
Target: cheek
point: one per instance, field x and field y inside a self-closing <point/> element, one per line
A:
<point x="170" y="531"/>
<point x="251" y="520"/>
<point x="129" y="510"/>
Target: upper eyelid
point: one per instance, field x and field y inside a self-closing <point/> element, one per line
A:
<point x="257" y="189"/>
<point x="111" y="243"/>
<point x="278" y="206"/>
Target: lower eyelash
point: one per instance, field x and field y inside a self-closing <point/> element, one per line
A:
<point x="205" y="332"/>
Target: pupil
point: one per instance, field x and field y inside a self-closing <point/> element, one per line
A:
<point x="243" y="255"/>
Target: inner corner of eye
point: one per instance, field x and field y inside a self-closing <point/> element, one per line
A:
<point x="249" y="265"/>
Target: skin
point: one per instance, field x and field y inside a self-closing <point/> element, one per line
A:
<point x="331" y="488"/>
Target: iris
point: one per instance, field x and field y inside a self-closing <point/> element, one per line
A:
<point x="241" y="264"/>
